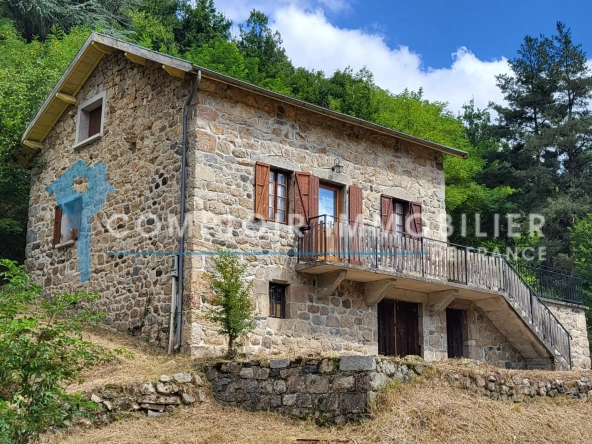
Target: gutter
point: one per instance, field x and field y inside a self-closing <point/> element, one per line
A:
<point x="181" y="253"/>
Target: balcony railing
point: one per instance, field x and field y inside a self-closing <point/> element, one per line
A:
<point x="550" y="283"/>
<point x="340" y="240"/>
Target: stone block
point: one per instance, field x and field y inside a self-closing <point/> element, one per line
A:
<point x="357" y="363"/>
<point x="279" y="363"/>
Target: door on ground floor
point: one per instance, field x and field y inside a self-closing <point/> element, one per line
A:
<point x="398" y="328"/>
<point x="454" y="332"/>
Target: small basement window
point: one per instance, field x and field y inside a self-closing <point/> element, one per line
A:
<point x="67" y="222"/>
<point x="90" y="120"/>
<point x="277" y="300"/>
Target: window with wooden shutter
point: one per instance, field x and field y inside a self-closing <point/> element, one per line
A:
<point x="301" y="197"/>
<point x="314" y="197"/>
<point x="262" y="190"/>
<point x="57" y="226"/>
<point x="355" y="217"/>
<point x="416" y="221"/>
<point x="386" y="211"/>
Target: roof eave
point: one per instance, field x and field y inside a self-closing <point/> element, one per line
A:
<point x="188" y="67"/>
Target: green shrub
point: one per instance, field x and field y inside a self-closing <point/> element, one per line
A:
<point x="233" y="309"/>
<point x="41" y="352"/>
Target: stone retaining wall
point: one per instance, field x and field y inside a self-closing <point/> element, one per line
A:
<point x="573" y="318"/>
<point x="155" y="399"/>
<point x="519" y="386"/>
<point x="330" y="390"/>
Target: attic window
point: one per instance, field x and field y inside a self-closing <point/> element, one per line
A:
<point x="90" y="120"/>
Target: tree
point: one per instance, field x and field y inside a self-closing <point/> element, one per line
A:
<point x="42" y="351"/>
<point x="581" y="237"/>
<point x="232" y="307"/>
<point x="36" y="18"/>
<point x="257" y="41"/>
<point x="545" y="132"/>
<point x="222" y="56"/>
<point x="28" y="71"/>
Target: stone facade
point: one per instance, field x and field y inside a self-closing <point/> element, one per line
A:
<point x="482" y="341"/>
<point x="135" y="290"/>
<point x="573" y="318"/>
<point x="230" y="129"/>
<point x="331" y="390"/>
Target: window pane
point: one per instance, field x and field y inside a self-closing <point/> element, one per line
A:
<point x="281" y="190"/>
<point x="94" y="121"/>
<point x="281" y="178"/>
<point x="281" y="216"/>
<point x="398" y="208"/>
<point x="327" y="202"/>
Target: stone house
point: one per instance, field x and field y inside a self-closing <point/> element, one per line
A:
<point x="342" y="222"/>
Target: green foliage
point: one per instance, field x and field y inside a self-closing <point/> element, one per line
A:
<point x="233" y="309"/>
<point x="28" y="71"/>
<point x="544" y="133"/>
<point x="37" y="18"/>
<point x="256" y="41"/>
<point x="42" y="351"/>
<point x="222" y="56"/>
<point x="581" y="237"/>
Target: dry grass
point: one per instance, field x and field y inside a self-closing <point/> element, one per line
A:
<point x="146" y="363"/>
<point x="427" y="411"/>
<point x="419" y="413"/>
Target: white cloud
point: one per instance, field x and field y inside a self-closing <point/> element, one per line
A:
<point x="315" y="43"/>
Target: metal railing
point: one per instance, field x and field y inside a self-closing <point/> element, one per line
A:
<point x="329" y="238"/>
<point x="551" y="283"/>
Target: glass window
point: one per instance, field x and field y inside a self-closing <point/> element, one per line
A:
<point x="399" y="217"/>
<point x="277" y="300"/>
<point x="278" y="196"/>
<point x="327" y="202"/>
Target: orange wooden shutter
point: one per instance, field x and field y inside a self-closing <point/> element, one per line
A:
<point x="262" y="190"/>
<point x="355" y="210"/>
<point x="57" y="226"/>
<point x="302" y="196"/>
<point x="313" y="210"/>
<point x="386" y="211"/>
<point x="417" y="223"/>
<point x="355" y="202"/>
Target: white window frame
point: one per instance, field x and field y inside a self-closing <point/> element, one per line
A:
<point x="82" y="119"/>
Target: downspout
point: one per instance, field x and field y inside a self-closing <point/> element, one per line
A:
<point x="181" y="253"/>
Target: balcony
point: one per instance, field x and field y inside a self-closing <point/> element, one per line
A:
<point x="367" y="253"/>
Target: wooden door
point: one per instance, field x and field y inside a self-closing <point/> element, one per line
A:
<point x="329" y="205"/>
<point x="454" y="327"/>
<point x="386" y="327"/>
<point x="407" y="329"/>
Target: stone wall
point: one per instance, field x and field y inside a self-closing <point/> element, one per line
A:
<point x="144" y="102"/>
<point x="233" y="130"/>
<point x="154" y="399"/>
<point x="573" y="318"/>
<point x="517" y="386"/>
<point x="482" y="341"/>
<point x="331" y="390"/>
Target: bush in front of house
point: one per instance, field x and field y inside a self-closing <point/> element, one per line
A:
<point x="42" y="352"/>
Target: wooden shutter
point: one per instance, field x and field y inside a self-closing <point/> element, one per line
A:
<point x="313" y="210"/>
<point x="302" y="196"/>
<point x="57" y="226"/>
<point x="416" y="222"/>
<point x="94" y="121"/>
<point x="262" y="190"/>
<point x="354" y="210"/>
<point x="386" y="211"/>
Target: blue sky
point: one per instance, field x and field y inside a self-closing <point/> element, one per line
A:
<point x="451" y="49"/>
<point x="490" y="30"/>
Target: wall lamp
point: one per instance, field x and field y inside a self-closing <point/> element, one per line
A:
<point x="337" y="167"/>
